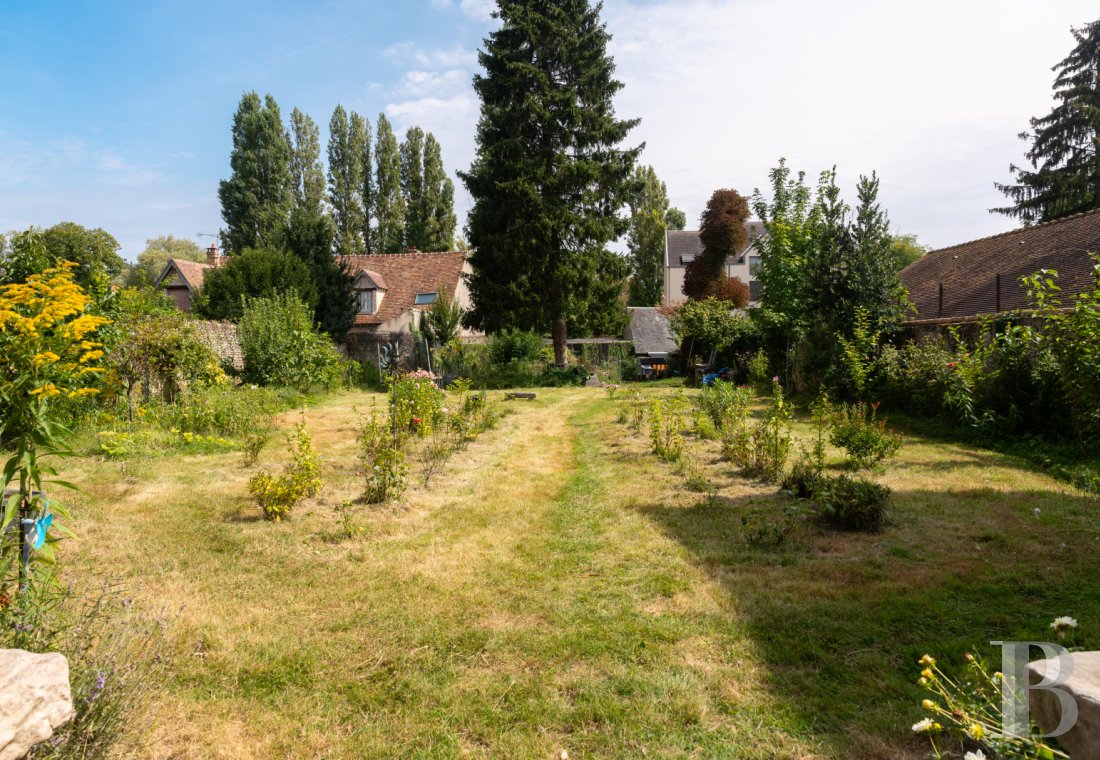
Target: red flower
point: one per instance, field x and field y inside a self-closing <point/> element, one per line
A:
<point x="952" y="365"/>
<point x="416" y="420"/>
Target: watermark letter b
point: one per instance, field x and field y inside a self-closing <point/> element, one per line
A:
<point x="1015" y="715"/>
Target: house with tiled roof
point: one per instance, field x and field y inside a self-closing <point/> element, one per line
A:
<point x="181" y="278"/>
<point x="392" y="289"/>
<point x="968" y="281"/>
<point x="681" y="248"/>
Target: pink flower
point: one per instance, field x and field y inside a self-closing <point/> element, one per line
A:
<point x="775" y="379"/>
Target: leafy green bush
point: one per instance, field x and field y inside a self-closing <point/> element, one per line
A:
<point x="417" y="402"/>
<point x="857" y="429"/>
<point x="281" y="347"/>
<point x="515" y="345"/>
<point x="278" y="495"/>
<point x="852" y="503"/>
<point x="726" y="404"/>
<point x="220" y="409"/>
<point x="667" y="418"/>
<point x="803" y="480"/>
<point x="764" y="526"/>
<point x="762" y="450"/>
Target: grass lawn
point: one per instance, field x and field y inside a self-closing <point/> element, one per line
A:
<point x="558" y="588"/>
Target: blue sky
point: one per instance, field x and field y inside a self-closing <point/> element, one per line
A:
<point x="117" y="114"/>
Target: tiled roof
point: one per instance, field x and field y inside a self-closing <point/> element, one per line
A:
<point x="683" y="243"/>
<point x="651" y="331"/>
<point x="405" y="275"/>
<point x="191" y="271"/>
<point x="969" y="271"/>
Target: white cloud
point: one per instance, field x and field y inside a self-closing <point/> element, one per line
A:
<point x="453" y="57"/>
<point x="427" y="83"/>
<point x="479" y="9"/>
<point x="930" y="95"/>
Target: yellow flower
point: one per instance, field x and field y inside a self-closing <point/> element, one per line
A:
<point x="927" y="660"/>
<point x="975" y="732"/>
<point x="928" y="704"/>
<point x="90" y="356"/>
<point x="927" y="673"/>
<point x="45" y="391"/>
<point x="46" y="357"/>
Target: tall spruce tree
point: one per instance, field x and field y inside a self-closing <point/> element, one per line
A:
<point x="1064" y="176"/>
<point x="257" y="198"/>
<point x="307" y="173"/>
<point x="649" y="214"/>
<point x="345" y="179"/>
<point x="366" y="191"/>
<point x="389" y="202"/>
<point x="412" y="188"/>
<point x="549" y="178"/>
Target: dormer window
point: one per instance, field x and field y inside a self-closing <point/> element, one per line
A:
<point x="425" y="299"/>
<point x="687" y="259"/>
<point x="366" y="301"/>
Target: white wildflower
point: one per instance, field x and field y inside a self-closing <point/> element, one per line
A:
<point x="979" y="755"/>
<point x="1064" y="622"/>
<point x="922" y="726"/>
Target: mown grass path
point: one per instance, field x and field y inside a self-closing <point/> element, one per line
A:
<point x="558" y="589"/>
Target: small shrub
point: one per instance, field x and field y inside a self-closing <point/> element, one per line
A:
<point x="417" y="403"/>
<point x="387" y="476"/>
<point x="763" y="450"/>
<point x="857" y="429"/>
<point x="704" y="428"/>
<point x="278" y="495"/>
<point x="726" y="404"/>
<point x="515" y="345"/>
<point x="694" y="478"/>
<point x="253" y="445"/>
<point x="852" y="503"/>
<point x="762" y="526"/>
<point x="349" y="525"/>
<point x="757" y="368"/>
<point x="666" y="424"/>
<point x="803" y="480"/>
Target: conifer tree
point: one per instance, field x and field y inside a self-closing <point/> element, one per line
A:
<point x="307" y="173"/>
<point x="389" y="202"/>
<point x="257" y="198"/>
<point x="345" y="179"/>
<point x="549" y="177"/>
<point x="1064" y="158"/>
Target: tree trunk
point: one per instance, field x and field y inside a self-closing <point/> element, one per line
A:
<point x="558" y="335"/>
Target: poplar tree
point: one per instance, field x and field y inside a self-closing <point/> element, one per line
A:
<point x="366" y="191"/>
<point x="649" y="220"/>
<point x="389" y="203"/>
<point x="549" y="177"/>
<point x="1064" y="158"/>
<point x="412" y="188"/>
<point x="307" y="173"/>
<point x="345" y="178"/>
<point x="439" y="199"/>
<point x="257" y="198"/>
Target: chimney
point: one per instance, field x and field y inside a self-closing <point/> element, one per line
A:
<point x="213" y="255"/>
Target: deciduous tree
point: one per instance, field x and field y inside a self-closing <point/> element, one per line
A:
<point x="649" y="215"/>
<point x="307" y="173"/>
<point x="389" y="201"/>
<point x="439" y="199"/>
<point x="255" y="272"/>
<point x="158" y="250"/>
<point x="257" y="198"/>
<point x="722" y="234"/>
<point x="345" y="181"/>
